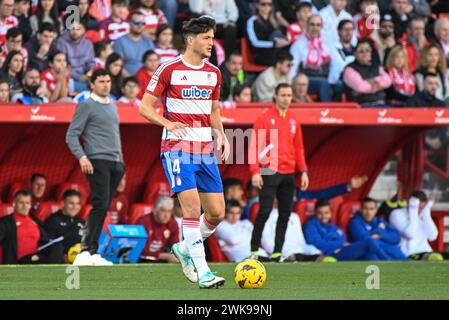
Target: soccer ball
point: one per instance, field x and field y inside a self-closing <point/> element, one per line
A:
<point x="250" y="274"/>
<point x="73" y="252"/>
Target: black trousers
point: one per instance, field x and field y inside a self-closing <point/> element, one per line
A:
<point x="103" y="186"/>
<point x="281" y="186"/>
<point x="229" y="36"/>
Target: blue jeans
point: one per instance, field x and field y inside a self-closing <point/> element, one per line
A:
<point x="170" y="8"/>
<point x="81" y="86"/>
<point x="322" y="87"/>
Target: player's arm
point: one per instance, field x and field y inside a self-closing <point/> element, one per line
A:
<point x="217" y="126"/>
<point x="148" y="111"/>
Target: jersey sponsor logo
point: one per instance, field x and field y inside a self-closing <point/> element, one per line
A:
<point x="194" y="92"/>
<point x="153" y="83"/>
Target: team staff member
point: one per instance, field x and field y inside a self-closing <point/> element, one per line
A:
<point x="66" y="222"/>
<point x="96" y="121"/>
<point x="21" y="235"/>
<point x="278" y="161"/>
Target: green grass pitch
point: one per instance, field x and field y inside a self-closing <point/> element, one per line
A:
<point x="342" y="280"/>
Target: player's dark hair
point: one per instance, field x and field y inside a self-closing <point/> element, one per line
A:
<point x="23" y="193"/>
<point x="70" y="193"/>
<point x="321" y="203"/>
<point x="232" y="203"/>
<point x="194" y="27"/>
<point x="343" y="22"/>
<point x="99" y="73"/>
<point x="52" y="56"/>
<point x="130" y="79"/>
<point x="147" y="54"/>
<point x="421" y="195"/>
<point x="368" y="199"/>
<point x="46" y="26"/>
<point x="13" y="33"/>
<point x="36" y="175"/>
<point x="282" y="86"/>
<point x="282" y="55"/>
<point x="100" y="46"/>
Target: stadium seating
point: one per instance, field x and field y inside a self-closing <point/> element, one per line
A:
<point x="85" y="211"/>
<point x="5" y="209"/>
<point x="63" y="187"/>
<point x="216" y="255"/>
<point x="46" y="209"/>
<point x="154" y="189"/>
<point x="305" y="209"/>
<point x="138" y="210"/>
<point x="347" y="210"/>
<point x="248" y="61"/>
<point x="14" y="188"/>
<point x="254" y="211"/>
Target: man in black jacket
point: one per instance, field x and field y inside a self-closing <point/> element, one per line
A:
<point x="41" y="46"/>
<point x="66" y="222"/>
<point x="427" y="98"/>
<point x="232" y="74"/>
<point x="21" y="236"/>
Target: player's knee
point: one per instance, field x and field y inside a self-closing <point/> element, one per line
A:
<point x="373" y="244"/>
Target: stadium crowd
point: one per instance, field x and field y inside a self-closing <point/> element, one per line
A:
<point x="375" y="53"/>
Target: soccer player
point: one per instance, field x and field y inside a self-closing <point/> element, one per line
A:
<point x="189" y="87"/>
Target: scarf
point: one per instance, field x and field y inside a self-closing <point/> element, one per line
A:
<point x="403" y="81"/>
<point x="317" y="54"/>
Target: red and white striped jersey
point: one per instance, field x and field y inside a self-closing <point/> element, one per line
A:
<point x="5" y="25"/>
<point x="50" y="81"/>
<point x="294" y="31"/>
<point x="187" y="93"/>
<point x="153" y="19"/>
<point x="166" y="55"/>
<point x="111" y="30"/>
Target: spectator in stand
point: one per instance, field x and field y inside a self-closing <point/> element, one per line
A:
<point x="441" y="30"/>
<point x="13" y="69"/>
<point x="300" y="85"/>
<point x="234" y="234"/>
<point x="85" y="18"/>
<point x="296" y="29"/>
<point x="114" y="26"/>
<point x="130" y="91"/>
<point x="118" y="209"/>
<point x="242" y="93"/>
<point x="267" y="81"/>
<point x="21" y="236"/>
<point x="417" y="228"/>
<point x="342" y="55"/>
<point x="321" y="232"/>
<point x="420" y="8"/>
<point x="414" y="41"/>
<point x="153" y="17"/>
<point x="100" y="9"/>
<point x="232" y="75"/>
<point x="264" y="34"/>
<point x="114" y="65"/>
<point x="427" y="96"/>
<point x="365" y="225"/>
<point x="399" y="13"/>
<point x="66" y="223"/>
<point x="41" y="46"/>
<point x="162" y="230"/>
<point x="4" y="90"/>
<point x="57" y="78"/>
<point x="164" y="43"/>
<point x="34" y="92"/>
<point x="432" y="60"/>
<point x="132" y="46"/>
<point x="233" y="190"/>
<point x="403" y="82"/>
<point x="21" y="10"/>
<point x="311" y="56"/>
<point x="150" y="62"/>
<point x="284" y="11"/>
<point x="103" y="49"/>
<point x="7" y="20"/>
<point x="225" y="13"/>
<point x="170" y="9"/>
<point x="384" y="37"/>
<point x="80" y="52"/>
<point x="47" y="12"/>
<point x="14" y="41"/>
<point x="332" y="15"/>
<point x="366" y="19"/>
<point x="365" y="79"/>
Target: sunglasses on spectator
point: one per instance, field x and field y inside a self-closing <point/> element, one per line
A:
<point x="266" y="4"/>
<point x="315" y="24"/>
<point x="364" y="50"/>
<point x="138" y="22"/>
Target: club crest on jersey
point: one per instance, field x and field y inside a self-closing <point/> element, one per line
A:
<point x="195" y="93"/>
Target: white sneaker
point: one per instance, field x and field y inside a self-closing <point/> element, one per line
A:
<point x="98" y="260"/>
<point x="83" y="259"/>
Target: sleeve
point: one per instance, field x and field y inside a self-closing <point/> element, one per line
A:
<point x="295" y="52"/>
<point x="422" y="8"/>
<point x="196" y="6"/>
<point x="90" y="59"/>
<point x="118" y="48"/>
<point x="216" y="92"/>
<point x="419" y="81"/>
<point x="430" y="228"/>
<point x="76" y="129"/>
<point x="252" y="36"/>
<point x="253" y="156"/>
<point x="356" y="230"/>
<point x="301" y="164"/>
<point x="159" y="82"/>
<point x="226" y="234"/>
<point x="353" y="80"/>
<point x="232" y="11"/>
<point x="406" y="226"/>
<point x="261" y="88"/>
<point x="313" y="237"/>
<point x="328" y="193"/>
<point x="383" y="79"/>
<point x="388" y="234"/>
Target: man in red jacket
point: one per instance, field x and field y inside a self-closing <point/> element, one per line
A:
<point x="277" y="145"/>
